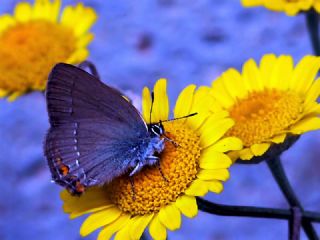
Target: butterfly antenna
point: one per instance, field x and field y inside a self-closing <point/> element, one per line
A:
<point x="152" y="101"/>
<point x="91" y="67"/>
<point x="187" y="116"/>
<point x="169" y="120"/>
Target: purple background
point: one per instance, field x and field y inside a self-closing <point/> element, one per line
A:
<point x="136" y="43"/>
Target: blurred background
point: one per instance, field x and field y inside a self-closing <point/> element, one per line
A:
<point x="137" y="42"/>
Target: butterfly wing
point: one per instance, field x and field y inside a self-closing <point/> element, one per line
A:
<point x="95" y="132"/>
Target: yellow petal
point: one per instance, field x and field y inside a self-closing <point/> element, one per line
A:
<point x="112" y="228"/>
<point x="233" y="155"/>
<point x="139" y="224"/>
<point x="12" y="97"/>
<point x="170" y="217"/>
<point x="197" y="188"/>
<point x="227" y="144"/>
<point x="275" y="5"/>
<point x="317" y="6"/>
<point x="6" y="21"/>
<point x="124" y="233"/>
<point x="213" y="105"/>
<point x="202" y="102"/>
<point x="79" y="18"/>
<point x="219" y="114"/>
<point x="65" y="196"/>
<point x="291" y="10"/>
<point x="312" y="109"/>
<point x="304" y="74"/>
<point x="81" y="211"/>
<point x="214" y="186"/>
<point x="267" y="65"/>
<point x="86" y="18"/>
<point x="22" y="12"/>
<point x="283" y="69"/>
<point x="279" y="138"/>
<point x="306" y="125"/>
<point x="3" y="93"/>
<point x="251" y="3"/>
<point x="92" y="198"/>
<point x="213" y="174"/>
<point x="211" y="159"/>
<point x="221" y="93"/>
<point x="99" y="219"/>
<point x="213" y="129"/>
<point x="260" y="149"/>
<point x="246" y="154"/>
<point x="41" y="10"/>
<point x="146" y="104"/>
<point x="187" y="205"/>
<point x="78" y="56"/>
<point x="160" y="109"/>
<point x="84" y="41"/>
<point x="54" y="11"/>
<point x="251" y="76"/>
<point x="234" y="84"/>
<point x="313" y="92"/>
<point x="157" y="230"/>
<point x="67" y="16"/>
<point x="184" y="102"/>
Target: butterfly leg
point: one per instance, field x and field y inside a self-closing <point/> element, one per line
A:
<point x="154" y="160"/>
<point x="136" y="169"/>
<point x="150" y="160"/>
<point x="161" y="172"/>
<point x="132" y="188"/>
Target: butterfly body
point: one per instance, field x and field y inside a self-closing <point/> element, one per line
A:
<point x="96" y="135"/>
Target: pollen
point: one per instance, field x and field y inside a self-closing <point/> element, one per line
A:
<point x="262" y="115"/>
<point x="29" y="50"/>
<point x="152" y="190"/>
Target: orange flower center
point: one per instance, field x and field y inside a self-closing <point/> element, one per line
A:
<point x="179" y="165"/>
<point x="29" y="50"/>
<point x="262" y="115"/>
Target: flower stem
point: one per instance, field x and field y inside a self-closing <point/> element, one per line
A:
<point x="313" y="28"/>
<point x="279" y="175"/>
<point x="295" y="223"/>
<point x="257" y="212"/>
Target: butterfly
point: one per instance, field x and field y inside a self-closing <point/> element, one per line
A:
<point x="95" y="133"/>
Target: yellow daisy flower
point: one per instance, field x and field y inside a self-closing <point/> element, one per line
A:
<point x="193" y="168"/>
<point x="271" y="102"/>
<point x="290" y="7"/>
<point x="35" y="38"/>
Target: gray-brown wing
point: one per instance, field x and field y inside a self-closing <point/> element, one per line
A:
<point x="94" y="132"/>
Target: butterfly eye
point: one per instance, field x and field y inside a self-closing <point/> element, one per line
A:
<point x="157" y="129"/>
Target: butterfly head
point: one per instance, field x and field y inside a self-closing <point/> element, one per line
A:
<point x="156" y="129"/>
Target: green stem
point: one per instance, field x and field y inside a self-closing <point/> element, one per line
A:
<point x="295" y="223"/>
<point x="279" y="175"/>
<point x="313" y="28"/>
<point x="256" y="212"/>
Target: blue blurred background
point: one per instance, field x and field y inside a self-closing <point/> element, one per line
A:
<point x="136" y="43"/>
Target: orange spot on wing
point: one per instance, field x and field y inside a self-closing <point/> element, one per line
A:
<point x="63" y="169"/>
<point x="80" y="187"/>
